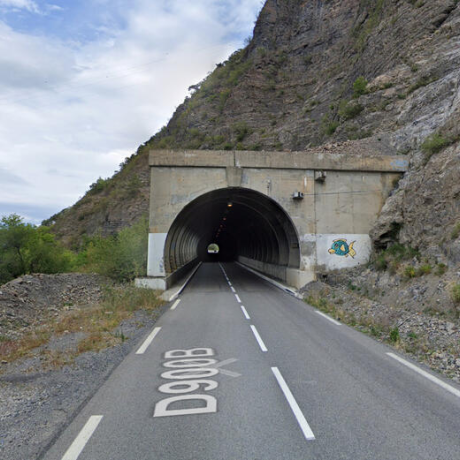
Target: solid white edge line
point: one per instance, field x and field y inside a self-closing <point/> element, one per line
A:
<point x="427" y="375"/>
<point x="328" y="318"/>
<point x="245" y="313"/>
<point x="177" y="294"/>
<point x="259" y="339"/>
<point x="301" y="420"/>
<point x="148" y="341"/>
<point x="281" y="286"/>
<point x="237" y="298"/>
<point x="176" y="303"/>
<point x="74" y="451"/>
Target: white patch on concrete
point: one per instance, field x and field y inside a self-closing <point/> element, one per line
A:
<point x="157" y="284"/>
<point x="327" y="261"/>
<point x="155" y="261"/>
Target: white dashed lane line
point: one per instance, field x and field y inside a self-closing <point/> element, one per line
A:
<point x="259" y="339"/>
<point x="237" y="298"/>
<point x="148" y="341"/>
<point x="245" y="313"/>
<point x="176" y="303"/>
<point x="301" y="420"/>
<point x="83" y="437"/>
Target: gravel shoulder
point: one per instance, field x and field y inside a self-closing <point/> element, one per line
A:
<point x="39" y="396"/>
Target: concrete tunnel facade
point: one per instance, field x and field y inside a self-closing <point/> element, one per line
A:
<point x="281" y="213"/>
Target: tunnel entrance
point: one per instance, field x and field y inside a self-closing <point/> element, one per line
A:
<point x="246" y="226"/>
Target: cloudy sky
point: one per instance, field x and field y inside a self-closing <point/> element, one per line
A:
<point x="84" y="82"/>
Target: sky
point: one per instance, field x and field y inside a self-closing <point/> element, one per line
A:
<point x="84" y="82"/>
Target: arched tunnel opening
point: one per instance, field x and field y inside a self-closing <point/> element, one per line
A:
<point x="243" y="223"/>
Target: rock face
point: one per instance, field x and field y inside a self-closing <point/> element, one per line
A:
<point x="319" y="72"/>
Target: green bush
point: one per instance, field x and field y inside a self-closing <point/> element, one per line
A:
<point x="441" y="269"/>
<point x="409" y="272"/>
<point x="359" y="87"/>
<point x="349" y="110"/>
<point x="25" y="248"/>
<point x="455" y="231"/>
<point x="122" y="256"/>
<point x="392" y="257"/>
<point x="424" y="270"/>
<point x="434" y="144"/>
<point x="455" y="293"/>
<point x="394" y="335"/>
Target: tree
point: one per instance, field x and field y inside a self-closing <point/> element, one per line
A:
<point x="25" y="248"/>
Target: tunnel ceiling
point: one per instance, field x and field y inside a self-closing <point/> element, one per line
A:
<point x="254" y="226"/>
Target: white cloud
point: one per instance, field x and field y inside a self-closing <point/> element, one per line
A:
<point x="71" y="112"/>
<point x="28" y="5"/>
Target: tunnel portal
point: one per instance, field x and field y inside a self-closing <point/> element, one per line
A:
<point x="242" y="222"/>
<point x="280" y="213"/>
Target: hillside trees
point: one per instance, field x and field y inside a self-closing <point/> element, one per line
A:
<point x="25" y="248"/>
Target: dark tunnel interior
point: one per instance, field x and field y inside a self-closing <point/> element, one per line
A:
<point x="242" y="222"/>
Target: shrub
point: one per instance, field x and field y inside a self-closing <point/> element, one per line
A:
<point x="26" y="248"/>
<point x="392" y="257"/>
<point x="98" y="186"/>
<point x="455" y="293"/>
<point x="434" y="144"/>
<point x="441" y="269"/>
<point x="241" y="130"/>
<point x="409" y="272"/>
<point x="348" y="110"/>
<point x="359" y="87"/>
<point x="122" y="256"/>
<point x="394" y="335"/>
<point x="424" y="270"/>
<point x="455" y="231"/>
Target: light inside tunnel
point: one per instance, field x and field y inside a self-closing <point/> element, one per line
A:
<point x="213" y="248"/>
<point x="242" y="222"/>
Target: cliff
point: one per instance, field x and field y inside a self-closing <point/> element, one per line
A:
<point x="319" y="72"/>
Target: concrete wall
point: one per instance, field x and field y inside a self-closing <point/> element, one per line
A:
<point x="342" y="197"/>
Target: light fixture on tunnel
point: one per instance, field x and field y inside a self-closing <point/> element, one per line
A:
<point x="229" y="204"/>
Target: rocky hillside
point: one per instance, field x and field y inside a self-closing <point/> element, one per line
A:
<point x="318" y="72"/>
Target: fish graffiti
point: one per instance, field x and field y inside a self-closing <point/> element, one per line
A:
<point x="340" y="247"/>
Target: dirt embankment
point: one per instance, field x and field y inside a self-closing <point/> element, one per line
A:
<point x="416" y="315"/>
<point x="60" y="337"/>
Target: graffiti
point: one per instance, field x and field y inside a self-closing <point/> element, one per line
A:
<point x="342" y="248"/>
<point x="399" y="164"/>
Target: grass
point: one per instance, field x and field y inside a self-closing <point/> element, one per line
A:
<point x="100" y="324"/>
<point x="349" y="110"/>
<point x="392" y="258"/>
<point x="434" y="144"/>
<point x="455" y="293"/>
<point x="455" y="231"/>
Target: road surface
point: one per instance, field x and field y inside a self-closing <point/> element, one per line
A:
<point x="236" y="369"/>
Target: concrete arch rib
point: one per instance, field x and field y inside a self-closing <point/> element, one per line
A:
<point x="247" y="225"/>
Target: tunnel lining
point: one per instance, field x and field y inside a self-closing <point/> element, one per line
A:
<point x="257" y="228"/>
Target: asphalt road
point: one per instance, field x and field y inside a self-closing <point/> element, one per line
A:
<point x="258" y="374"/>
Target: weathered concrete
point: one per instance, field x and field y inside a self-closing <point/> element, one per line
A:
<point x="340" y="198"/>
